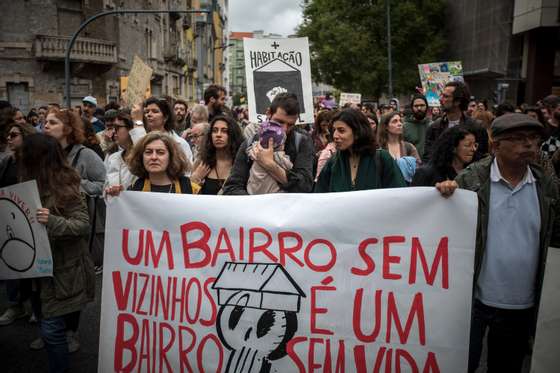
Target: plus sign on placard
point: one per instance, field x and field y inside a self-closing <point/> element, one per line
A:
<point x="275" y="45"/>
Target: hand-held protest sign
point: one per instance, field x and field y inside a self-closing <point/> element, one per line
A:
<point x="274" y="66"/>
<point x="221" y="284"/>
<point x="545" y="351"/>
<point x="24" y="245"/>
<point x="138" y="81"/>
<point x="435" y="75"/>
<point x="352" y="98"/>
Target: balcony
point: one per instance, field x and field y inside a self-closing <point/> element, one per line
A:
<point x="84" y="50"/>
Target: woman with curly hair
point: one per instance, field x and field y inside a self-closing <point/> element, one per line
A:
<point x="453" y="151"/>
<point x="219" y="148"/>
<point x="159" y="164"/>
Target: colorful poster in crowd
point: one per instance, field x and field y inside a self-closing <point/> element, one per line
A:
<point x="350" y="98"/>
<point x="435" y="75"/>
<point x="545" y="351"/>
<point x="24" y="245"/>
<point x="274" y="283"/>
<point x="275" y="66"/>
<point x="138" y="82"/>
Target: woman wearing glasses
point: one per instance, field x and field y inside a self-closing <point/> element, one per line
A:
<point x="453" y="151"/>
<point x="118" y="173"/>
<point x="8" y="169"/>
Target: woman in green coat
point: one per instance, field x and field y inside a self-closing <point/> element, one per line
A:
<point x="65" y="216"/>
<point x="357" y="164"/>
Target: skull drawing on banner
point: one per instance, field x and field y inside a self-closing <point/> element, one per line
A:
<point x="17" y="243"/>
<point x="253" y="327"/>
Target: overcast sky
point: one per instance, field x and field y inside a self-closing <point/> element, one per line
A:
<point x="272" y="16"/>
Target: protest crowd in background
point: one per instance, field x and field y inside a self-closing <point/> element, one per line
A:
<point x="510" y="156"/>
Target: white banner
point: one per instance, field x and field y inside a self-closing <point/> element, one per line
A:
<point x="369" y="281"/>
<point x="545" y="351"/>
<point x="24" y="245"/>
<point x="275" y="66"/>
<point x="352" y="98"/>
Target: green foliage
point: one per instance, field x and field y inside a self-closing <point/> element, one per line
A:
<point x="348" y="41"/>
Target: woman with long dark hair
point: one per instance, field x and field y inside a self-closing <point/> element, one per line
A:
<point x="217" y="155"/>
<point x="65" y="215"/>
<point x="156" y="115"/>
<point x="357" y="165"/>
<point x="453" y="151"/>
<point x="320" y="134"/>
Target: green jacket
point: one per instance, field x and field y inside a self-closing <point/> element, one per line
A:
<point x="73" y="281"/>
<point x="415" y="133"/>
<point x="374" y="171"/>
<point x="476" y="178"/>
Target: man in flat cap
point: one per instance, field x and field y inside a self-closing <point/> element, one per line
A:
<point x="517" y="221"/>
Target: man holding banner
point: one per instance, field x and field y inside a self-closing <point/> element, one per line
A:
<point x="284" y="110"/>
<point x="512" y="241"/>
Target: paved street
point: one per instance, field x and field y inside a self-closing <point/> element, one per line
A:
<point x="16" y="357"/>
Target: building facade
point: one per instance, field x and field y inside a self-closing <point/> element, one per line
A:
<point x="237" y="78"/>
<point x="32" y="49"/>
<point x="510" y="49"/>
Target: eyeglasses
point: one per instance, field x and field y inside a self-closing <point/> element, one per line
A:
<point x="13" y="135"/>
<point x="471" y="146"/>
<point x="521" y="138"/>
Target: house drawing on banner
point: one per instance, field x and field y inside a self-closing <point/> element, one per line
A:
<point x="275" y="77"/>
<point x="258" y="285"/>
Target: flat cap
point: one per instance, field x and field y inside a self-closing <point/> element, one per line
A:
<point x="512" y="121"/>
<point x="111" y="113"/>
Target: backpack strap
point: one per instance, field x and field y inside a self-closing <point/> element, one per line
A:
<point x="76" y="158"/>
<point x="298" y="139"/>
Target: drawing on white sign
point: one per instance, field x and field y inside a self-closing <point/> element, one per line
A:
<point x="16" y="235"/>
<point x="278" y="67"/>
<point x="258" y="314"/>
<point x="275" y="77"/>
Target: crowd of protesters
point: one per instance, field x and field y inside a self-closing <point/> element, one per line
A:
<point x="83" y="155"/>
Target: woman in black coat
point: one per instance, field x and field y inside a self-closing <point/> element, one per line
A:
<point x="453" y="151"/>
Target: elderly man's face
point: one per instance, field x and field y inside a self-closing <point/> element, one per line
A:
<point x="517" y="147"/>
<point x="196" y="135"/>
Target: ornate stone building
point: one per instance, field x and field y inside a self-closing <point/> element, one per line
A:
<point x="34" y="35"/>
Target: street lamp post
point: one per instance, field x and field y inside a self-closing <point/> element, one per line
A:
<point x="70" y="44"/>
<point x="389" y="53"/>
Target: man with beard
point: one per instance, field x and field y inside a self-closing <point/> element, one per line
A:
<point x="518" y="220"/>
<point x="215" y="101"/>
<point x="454" y="101"/>
<point x="415" y="126"/>
<point x="552" y="140"/>
<point x="181" y="121"/>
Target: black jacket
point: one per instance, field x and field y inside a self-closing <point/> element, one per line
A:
<point x="300" y="179"/>
<point x="428" y="175"/>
